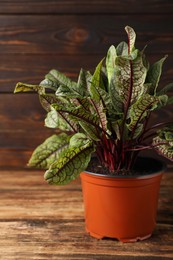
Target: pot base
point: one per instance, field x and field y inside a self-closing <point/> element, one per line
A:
<point x="123" y="240"/>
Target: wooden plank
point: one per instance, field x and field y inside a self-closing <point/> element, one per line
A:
<point x="78" y="6"/>
<point x="23" y="114"/>
<point x="22" y="127"/>
<point x="34" y="204"/>
<point x="31" y="191"/>
<point x="14" y="158"/>
<point x="31" y="68"/>
<point x="82" y="34"/>
<point x="38" y="221"/>
<point x="66" y="239"/>
<point x="30" y="205"/>
<point x="165" y="204"/>
<point x="21" y="121"/>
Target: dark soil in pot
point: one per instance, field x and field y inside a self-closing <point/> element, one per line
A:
<point x="142" y="166"/>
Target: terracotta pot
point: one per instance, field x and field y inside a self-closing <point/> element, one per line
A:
<point x="121" y="207"/>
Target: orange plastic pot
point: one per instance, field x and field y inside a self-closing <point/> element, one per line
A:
<point x="121" y="207"/>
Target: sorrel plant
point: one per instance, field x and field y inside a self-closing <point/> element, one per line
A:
<point x="106" y="114"/>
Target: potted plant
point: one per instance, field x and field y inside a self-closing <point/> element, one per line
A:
<point x="104" y="122"/>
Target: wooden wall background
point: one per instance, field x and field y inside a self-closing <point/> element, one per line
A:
<point x="38" y="35"/>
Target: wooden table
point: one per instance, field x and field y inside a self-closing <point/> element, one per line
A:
<point x="38" y="221"/>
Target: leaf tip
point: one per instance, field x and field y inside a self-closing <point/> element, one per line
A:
<point x="17" y="87"/>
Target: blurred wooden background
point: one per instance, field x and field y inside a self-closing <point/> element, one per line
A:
<point x="38" y="35"/>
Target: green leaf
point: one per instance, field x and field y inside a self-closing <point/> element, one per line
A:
<point x="131" y="37"/>
<point x="78" y="114"/>
<point x="60" y="121"/>
<point x="122" y="49"/>
<point x="145" y="61"/>
<point x="101" y="103"/>
<point x="164" y="90"/>
<point x="101" y="113"/>
<point x="138" y="130"/>
<point x="128" y="81"/>
<point x="110" y="62"/>
<point x="49" y="151"/>
<point x="98" y="96"/>
<point x="49" y="84"/>
<point x="140" y="108"/>
<point x="154" y="73"/>
<point x="139" y="73"/>
<point x="69" y="166"/>
<point x="90" y="131"/>
<point x="77" y="93"/>
<point x="47" y="100"/>
<point x="116" y="125"/>
<point x="97" y="78"/>
<point x="170" y="101"/>
<point x="163" y="100"/>
<point x="78" y="140"/>
<point x="84" y="81"/>
<point x="68" y="92"/>
<point x="59" y="78"/>
<point x="116" y="100"/>
<point x="74" y="90"/>
<point x="163" y="143"/>
<point x="22" y="87"/>
<point x="71" y="91"/>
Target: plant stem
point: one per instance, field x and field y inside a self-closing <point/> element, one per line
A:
<point x="145" y="147"/>
<point x="156" y="126"/>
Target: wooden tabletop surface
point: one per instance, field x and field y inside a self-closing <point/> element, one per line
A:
<point x="38" y="221"/>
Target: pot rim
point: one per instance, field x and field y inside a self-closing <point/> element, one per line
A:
<point x="136" y="176"/>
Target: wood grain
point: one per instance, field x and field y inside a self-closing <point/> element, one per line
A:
<point x="21" y="118"/>
<point x="18" y="143"/>
<point x="31" y="68"/>
<point x="38" y="221"/>
<point x="67" y="240"/>
<point x="71" y="34"/>
<point x="38" y="35"/>
<point x="22" y="127"/>
<point x="78" y="6"/>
